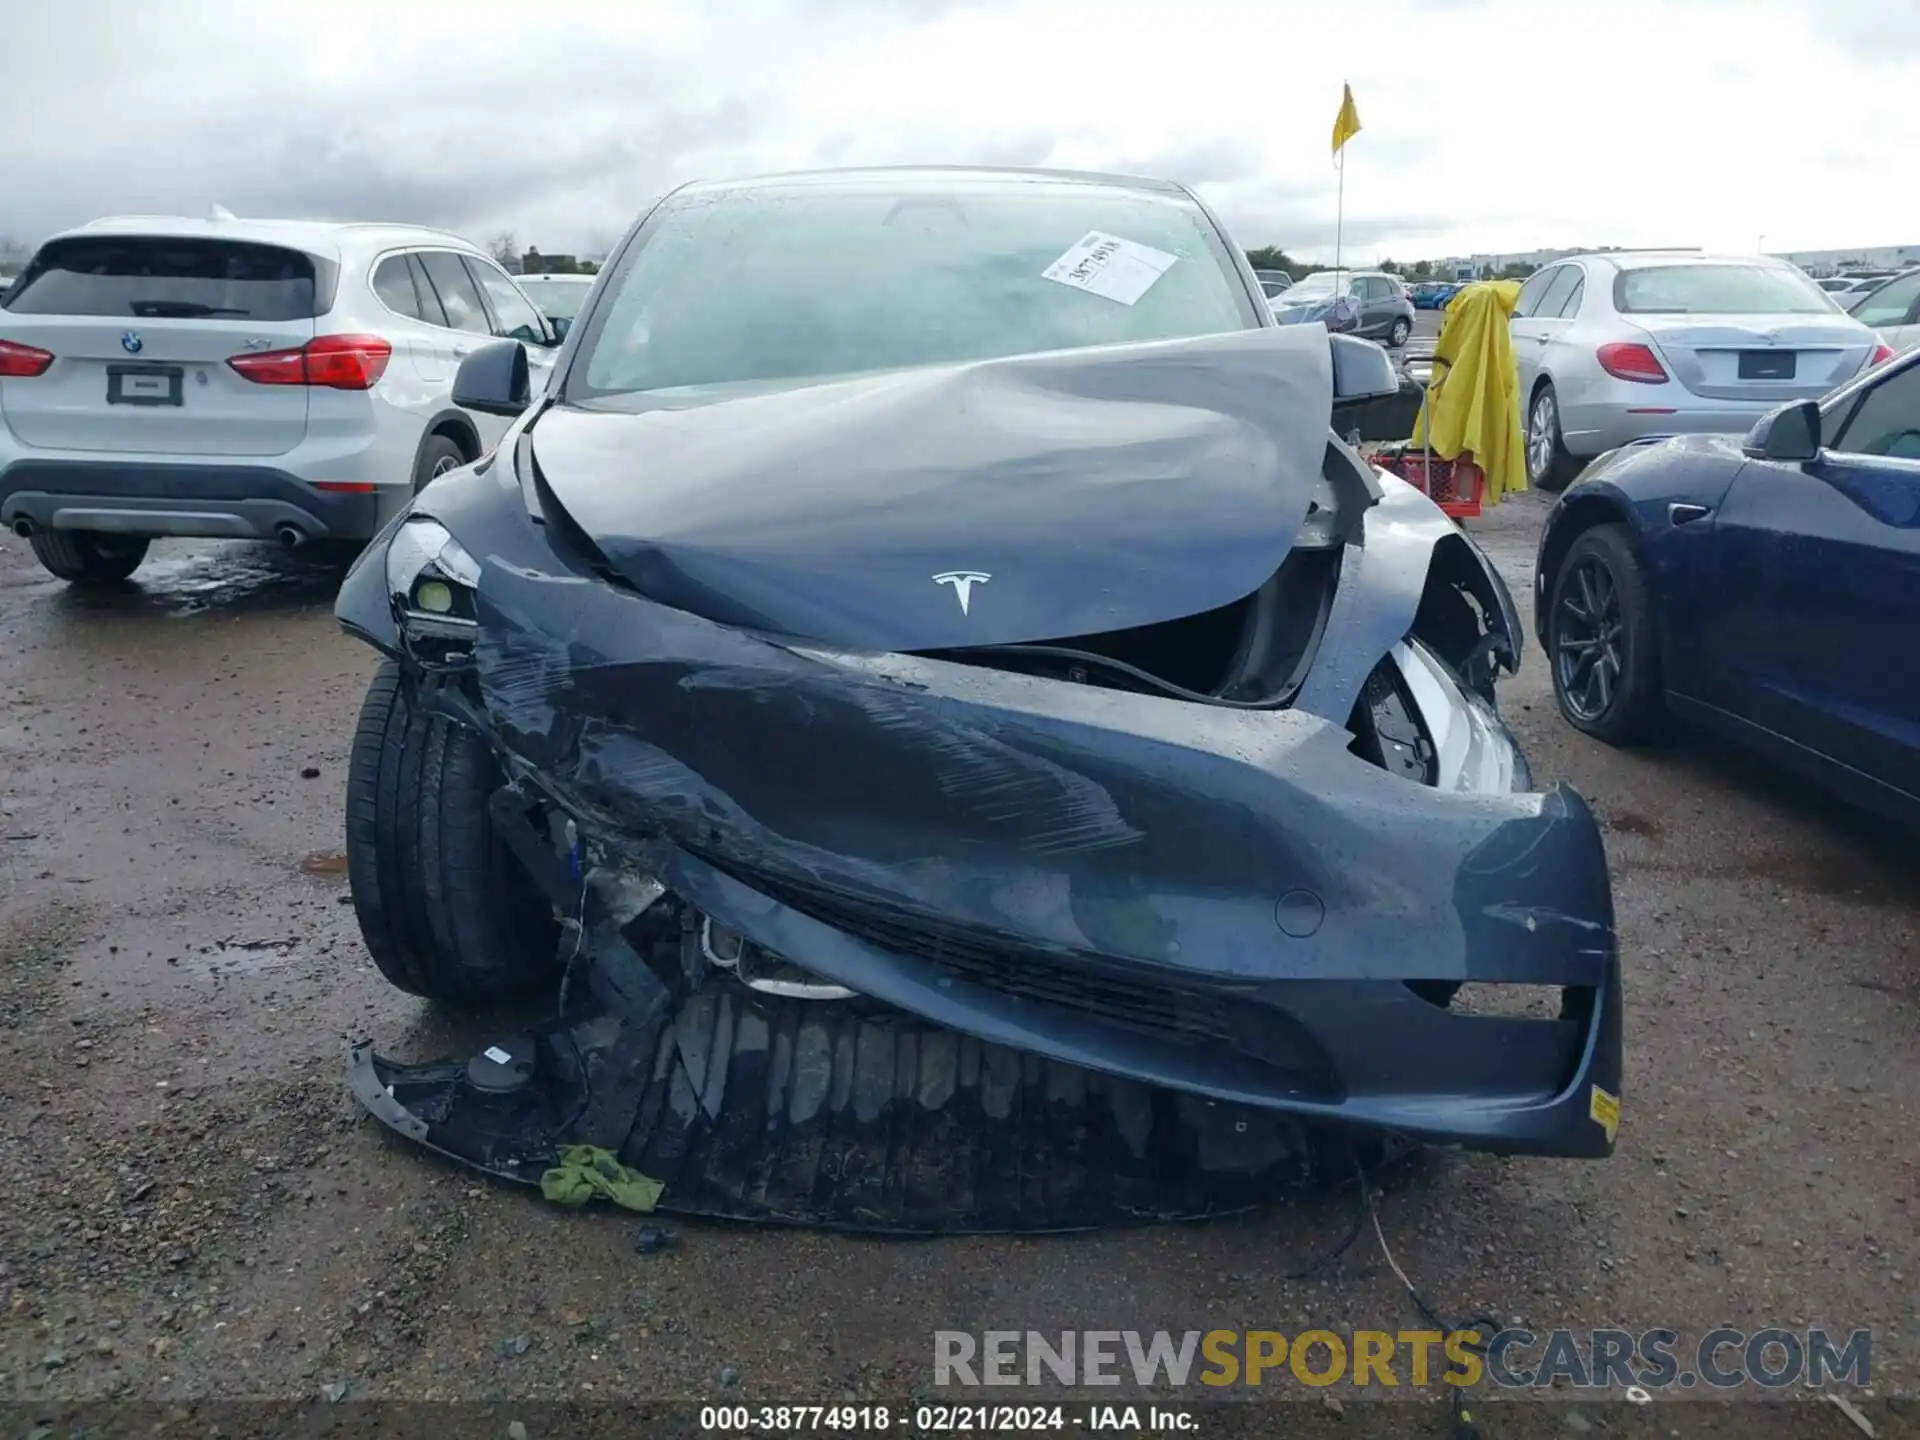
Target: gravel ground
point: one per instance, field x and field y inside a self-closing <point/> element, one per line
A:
<point x="195" y="1209"/>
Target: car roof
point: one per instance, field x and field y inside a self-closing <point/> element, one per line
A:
<point x="330" y="238"/>
<point x="881" y="177"/>
<point x="1639" y="259"/>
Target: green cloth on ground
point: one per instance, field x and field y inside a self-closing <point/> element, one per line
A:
<point x="586" y="1172"/>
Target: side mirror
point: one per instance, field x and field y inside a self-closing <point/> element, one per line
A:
<point x="494" y="380"/>
<point x="1789" y="435"/>
<point x="561" y="325"/>
<point x="1362" y="371"/>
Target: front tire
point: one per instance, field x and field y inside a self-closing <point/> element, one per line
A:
<point x="89" y="557"/>
<point x="1549" y="466"/>
<point x="1397" y="336"/>
<point x="446" y="910"/>
<point x="1603" y="648"/>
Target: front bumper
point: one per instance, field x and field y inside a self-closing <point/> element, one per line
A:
<point x="1223" y="903"/>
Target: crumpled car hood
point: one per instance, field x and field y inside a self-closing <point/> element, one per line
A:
<point x="991" y="502"/>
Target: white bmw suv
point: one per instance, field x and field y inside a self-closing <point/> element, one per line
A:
<point x="252" y="379"/>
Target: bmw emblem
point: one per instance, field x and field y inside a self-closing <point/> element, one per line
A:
<point x="130" y="343"/>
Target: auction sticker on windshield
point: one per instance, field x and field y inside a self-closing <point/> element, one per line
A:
<point x="1106" y="265"/>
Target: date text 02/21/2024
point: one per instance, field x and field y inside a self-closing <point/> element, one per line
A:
<point x="943" y="1419"/>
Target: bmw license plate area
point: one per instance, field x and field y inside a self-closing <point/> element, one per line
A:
<point x="145" y="385"/>
<point x="1766" y="364"/>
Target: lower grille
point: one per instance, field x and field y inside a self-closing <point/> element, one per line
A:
<point x="1231" y="1020"/>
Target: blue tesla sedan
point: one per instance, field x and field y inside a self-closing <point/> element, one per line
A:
<point x="1766" y="589"/>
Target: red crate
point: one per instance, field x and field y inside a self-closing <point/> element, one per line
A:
<point x="1458" y="487"/>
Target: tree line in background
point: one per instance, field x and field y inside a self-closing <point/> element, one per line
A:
<point x="1272" y="257"/>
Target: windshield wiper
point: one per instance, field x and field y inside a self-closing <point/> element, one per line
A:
<point x="181" y="310"/>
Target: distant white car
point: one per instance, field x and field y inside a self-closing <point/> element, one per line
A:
<point x="1621" y="346"/>
<point x="257" y="379"/>
<point x="558" y="296"/>
<point x="1892" y="308"/>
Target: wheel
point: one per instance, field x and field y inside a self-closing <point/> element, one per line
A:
<point x="1549" y="466"/>
<point x="1397" y="336"/>
<point x="446" y="910"/>
<point x="89" y="557"/>
<point x="437" y="456"/>
<point x="1602" y="646"/>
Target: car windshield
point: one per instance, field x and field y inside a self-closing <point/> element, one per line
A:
<point x="791" y="281"/>
<point x="557" y="299"/>
<point x="1718" y="290"/>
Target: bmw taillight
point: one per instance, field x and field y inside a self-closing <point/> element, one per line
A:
<point x="1631" y="362"/>
<point x="1881" y="354"/>
<point x="22" y="362"/>
<point x="333" y="362"/>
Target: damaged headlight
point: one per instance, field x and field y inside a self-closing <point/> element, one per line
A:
<point x="432" y="579"/>
<point x="434" y="584"/>
<point x="1472" y="751"/>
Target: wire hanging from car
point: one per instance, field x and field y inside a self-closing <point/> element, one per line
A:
<point x="1464" y="1427"/>
<point x="1368" y="1214"/>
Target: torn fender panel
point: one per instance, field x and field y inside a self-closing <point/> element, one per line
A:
<point x="1088" y="491"/>
<point x="1384" y="579"/>
<point x="749" y="1107"/>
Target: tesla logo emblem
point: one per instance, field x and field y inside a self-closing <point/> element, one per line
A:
<point x="130" y="343"/>
<point x="963" y="582"/>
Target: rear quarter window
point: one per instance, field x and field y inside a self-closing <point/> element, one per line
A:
<point x="149" y="277"/>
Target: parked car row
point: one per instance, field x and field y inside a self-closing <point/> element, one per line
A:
<point x="1433" y="294"/>
<point x="1851" y="286"/>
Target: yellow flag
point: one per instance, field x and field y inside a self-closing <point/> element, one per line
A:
<point x="1346" y="124"/>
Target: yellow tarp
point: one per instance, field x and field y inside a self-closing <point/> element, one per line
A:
<point x="1475" y="398"/>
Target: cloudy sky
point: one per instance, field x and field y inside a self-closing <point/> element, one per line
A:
<point x="1489" y="125"/>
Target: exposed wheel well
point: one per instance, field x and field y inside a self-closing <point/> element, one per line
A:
<point x="1579" y="514"/>
<point x="461" y="433"/>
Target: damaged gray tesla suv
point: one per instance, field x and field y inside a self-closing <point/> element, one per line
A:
<point x="956" y="738"/>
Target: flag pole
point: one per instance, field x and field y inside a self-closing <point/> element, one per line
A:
<point x="1340" y="210"/>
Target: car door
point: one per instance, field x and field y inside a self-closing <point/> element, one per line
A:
<point x="515" y="317"/>
<point x="1553" y="317"/>
<point x="468" y="326"/>
<point x="401" y="286"/>
<point x="1383" y="304"/>
<point x="1814" y="629"/>
<point x="1356" y="297"/>
<point x="1893" y="311"/>
<point x="1527" y="336"/>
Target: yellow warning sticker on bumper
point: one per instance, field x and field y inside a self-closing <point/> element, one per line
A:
<point x="1605" y="1110"/>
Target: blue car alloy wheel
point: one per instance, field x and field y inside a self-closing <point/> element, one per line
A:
<point x="1601" y="641"/>
<point x="1589" y="653"/>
